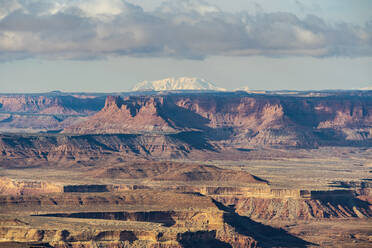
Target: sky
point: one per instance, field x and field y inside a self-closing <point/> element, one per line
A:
<point x="108" y="46"/>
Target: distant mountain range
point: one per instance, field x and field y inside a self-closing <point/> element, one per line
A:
<point x="366" y="88"/>
<point x="181" y="83"/>
<point x="198" y="84"/>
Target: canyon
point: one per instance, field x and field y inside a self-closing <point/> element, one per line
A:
<point x="186" y="169"/>
<point x="226" y="118"/>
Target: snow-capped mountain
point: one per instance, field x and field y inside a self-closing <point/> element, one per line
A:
<point x="244" y="88"/>
<point x="181" y="83"/>
<point x="366" y="88"/>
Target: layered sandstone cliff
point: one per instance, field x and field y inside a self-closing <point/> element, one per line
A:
<point x="23" y="187"/>
<point x="128" y="115"/>
<point x="240" y="119"/>
<point x="44" y="112"/>
<point x="50" y="104"/>
<point x="175" y="171"/>
<point x="129" y="219"/>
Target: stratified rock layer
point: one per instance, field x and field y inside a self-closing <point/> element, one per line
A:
<point x="240" y="119"/>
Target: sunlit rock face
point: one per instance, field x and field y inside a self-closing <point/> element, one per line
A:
<point x="247" y="120"/>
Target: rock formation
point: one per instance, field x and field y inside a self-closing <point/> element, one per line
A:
<point x="44" y="112"/>
<point x="22" y="187"/>
<point x="140" y="114"/>
<point x="175" y="171"/>
<point x="239" y="119"/>
<point x="127" y="172"/>
<point x="49" y="104"/>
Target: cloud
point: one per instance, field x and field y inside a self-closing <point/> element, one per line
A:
<point x="192" y="29"/>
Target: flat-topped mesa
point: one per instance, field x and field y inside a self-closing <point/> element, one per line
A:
<point x="50" y="104"/>
<point x="266" y="203"/>
<point x="24" y="187"/>
<point x="177" y="172"/>
<point x="23" y="103"/>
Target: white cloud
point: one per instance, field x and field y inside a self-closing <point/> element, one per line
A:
<point x="8" y="6"/>
<point x="187" y="6"/>
<point x="308" y="37"/>
<point x="11" y="41"/>
<point x="88" y="29"/>
<point x="100" y="9"/>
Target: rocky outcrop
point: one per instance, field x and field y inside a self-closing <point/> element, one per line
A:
<point x="184" y="219"/>
<point x="22" y="187"/>
<point x="234" y="119"/>
<point x="167" y="219"/>
<point x="243" y="120"/>
<point x="300" y="204"/>
<point x="128" y="115"/>
<point x="126" y="238"/>
<point x="175" y="171"/>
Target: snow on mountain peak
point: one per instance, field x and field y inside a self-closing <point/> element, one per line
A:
<point x="181" y="83"/>
<point x="366" y="88"/>
<point x="244" y="88"/>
